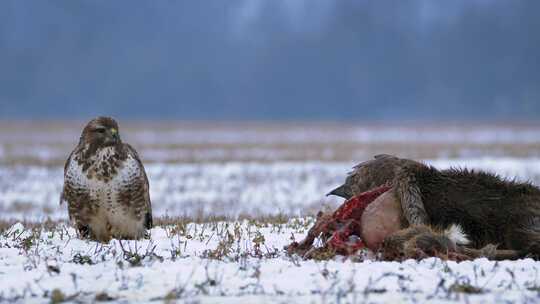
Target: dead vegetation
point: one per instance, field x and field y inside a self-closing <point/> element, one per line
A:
<point x="47" y="143"/>
<point x="212" y="245"/>
<point x="203" y="249"/>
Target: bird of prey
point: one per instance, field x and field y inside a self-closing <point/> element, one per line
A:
<point x="105" y="185"/>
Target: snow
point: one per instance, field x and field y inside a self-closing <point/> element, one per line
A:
<point x="240" y="261"/>
<point x="180" y="267"/>
<point x="224" y="189"/>
<point x="264" y="133"/>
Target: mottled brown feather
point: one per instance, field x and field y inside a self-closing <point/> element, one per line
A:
<point x="106" y="186"/>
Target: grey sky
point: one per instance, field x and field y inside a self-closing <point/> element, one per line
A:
<point x="270" y="59"/>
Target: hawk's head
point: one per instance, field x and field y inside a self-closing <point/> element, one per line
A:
<point x="101" y="132"/>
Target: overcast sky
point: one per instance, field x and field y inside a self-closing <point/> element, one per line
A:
<point x="271" y="59"/>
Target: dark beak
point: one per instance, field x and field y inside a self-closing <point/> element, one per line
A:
<point x="342" y="191"/>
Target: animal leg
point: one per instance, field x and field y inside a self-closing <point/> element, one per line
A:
<point x="323" y="226"/>
<point x="526" y="238"/>
<point x="410" y="197"/>
<point x="422" y="241"/>
<point x="417" y="242"/>
<point x="490" y="252"/>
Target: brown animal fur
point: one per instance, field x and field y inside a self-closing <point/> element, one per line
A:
<point x="417" y="242"/>
<point x="493" y="212"/>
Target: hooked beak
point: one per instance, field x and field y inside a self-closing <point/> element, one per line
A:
<point x="342" y="191"/>
<point x="115" y="136"/>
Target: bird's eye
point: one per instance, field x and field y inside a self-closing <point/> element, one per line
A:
<point x="100" y="130"/>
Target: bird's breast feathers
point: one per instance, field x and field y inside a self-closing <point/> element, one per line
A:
<point x="106" y="176"/>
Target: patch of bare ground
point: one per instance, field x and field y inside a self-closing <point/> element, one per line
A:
<point x="162" y="221"/>
<point x="48" y="143"/>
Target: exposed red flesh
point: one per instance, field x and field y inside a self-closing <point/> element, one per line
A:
<point x="351" y="212"/>
<point x="340" y="226"/>
<point x="342" y="231"/>
<point x="355" y="206"/>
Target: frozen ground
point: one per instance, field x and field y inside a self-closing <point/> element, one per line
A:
<point x="275" y="175"/>
<point x="29" y="192"/>
<point x="203" y="262"/>
<point x="237" y="262"/>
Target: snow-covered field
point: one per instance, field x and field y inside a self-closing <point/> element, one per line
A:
<point x="237" y="262"/>
<point x="223" y="189"/>
<point x="232" y="172"/>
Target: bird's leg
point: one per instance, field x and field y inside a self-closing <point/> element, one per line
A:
<point x="83" y="230"/>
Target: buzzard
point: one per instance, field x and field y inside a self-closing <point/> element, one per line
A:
<point x="105" y="185"/>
